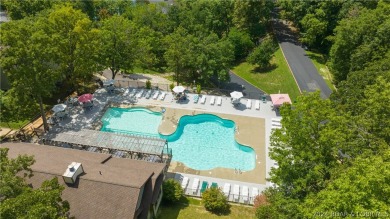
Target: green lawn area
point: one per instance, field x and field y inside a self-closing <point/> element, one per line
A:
<point x="194" y="210"/>
<point x="319" y="62"/>
<point x="13" y="125"/>
<point x="272" y="80"/>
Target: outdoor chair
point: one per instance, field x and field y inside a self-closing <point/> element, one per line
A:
<point x="203" y="99"/>
<point x="226" y="189"/>
<point x="155" y="96"/>
<point x="219" y="101"/>
<point x="249" y="104"/>
<point x="257" y="104"/>
<point x="212" y="100"/>
<point x="195" y="186"/>
<point x="205" y="185"/>
<point x="184" y="182"/>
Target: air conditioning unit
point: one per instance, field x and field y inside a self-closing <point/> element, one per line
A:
<point x="72" y="172"/>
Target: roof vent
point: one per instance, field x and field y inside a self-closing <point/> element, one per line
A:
<point x="72" y="172"/>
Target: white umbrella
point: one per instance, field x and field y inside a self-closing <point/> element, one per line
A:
<point x="236" y="94"/>
<point x="58" y="108"/>
<point x="179" y="89"/>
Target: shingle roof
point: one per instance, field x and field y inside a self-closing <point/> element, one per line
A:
<point x="112" y="194"/>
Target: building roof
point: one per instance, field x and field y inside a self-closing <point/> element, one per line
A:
<point x="111" y="194"/>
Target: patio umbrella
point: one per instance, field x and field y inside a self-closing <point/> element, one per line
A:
<point x="58" y="108"/>
<point x="236" y="94"/>
<point x="85" y="98"/>
<point x="179" y="89"/>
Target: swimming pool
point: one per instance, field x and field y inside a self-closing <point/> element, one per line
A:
<point x="201" y="142"/>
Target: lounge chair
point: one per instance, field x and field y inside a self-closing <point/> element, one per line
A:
<point x="226" y="189"/>
<point x="249" y="104"/>
<point x="236" y="192"/>
<point x="140" y="93"/>
<point x="184" y="182"/>
<point x="196" y="98"/>
<point x="162" y="96"/>
<point x="203" y="99"/>
<point x="126" y="92"/>
<point x="255" y="192"/>
<point x="276" y="124"/>
<point x="214" y="185"/>
<point x="195" y="186"/>
<point x="219" y="101"/>
<point x="133" y="92"/>
<point x="205" y="184"/>
<point x="276" y="120"/>
<point x="257" y="104"/>
<point x="212" y="100"/>
<point x="245" y="194"/>
<point x="155" y="96"/>
<point x="148" y="94"/>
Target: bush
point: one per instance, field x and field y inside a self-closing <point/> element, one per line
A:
<point x="171" y="86"/>
<point x="198" y="88"/>
<point x="172" y="191"/>
<point x="148" y="84"/>
<point x="260" y="200"/>
<point x="215" y="201"/>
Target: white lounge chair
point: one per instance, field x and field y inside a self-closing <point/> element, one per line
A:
<point x="195" y="186"/>
<point x="249" y="104"/>
<point x="257" y="104"/>
<point x="184" y="182"/>
<point x="226" y="189"/>
<point x="203" y="99"/>
<point x="219" y="101"/>
<point x="276" y="120"/>
<point x="133" y="92"/>
<point x="212" y="100"/>
<point x="155" y="96"/>
<point x="276" y="124"/>
<point x="162" y="96"/>
<point x="148" y="94"/>
<point x="140" y="93"/>
<point x="236" y="192"/>
<point x="127" y="91"/>
<point x="255" y="192"/>
<point x="245" y="193"/>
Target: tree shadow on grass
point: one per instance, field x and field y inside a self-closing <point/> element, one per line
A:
<point x="264" y="70"/>
<point x="169" y="210"/>
<point x="318" y="58"/>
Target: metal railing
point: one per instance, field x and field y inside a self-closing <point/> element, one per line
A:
<point x="231" y="197"/>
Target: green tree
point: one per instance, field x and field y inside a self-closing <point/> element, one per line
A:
<point x="242" y="43"/>
<point x="307" y="146"/>
<point x="172" y="191"/>
<point x="18" y="200"/>
<point x="74" y="41"/>
<point x="351" y="51"/>
<point x="252" y="16"/>
<point x="215" y="201"/>
<point x="363" y="187"/>
<point x="18" y="9"/>
<point x="29" y="65"/>
<point x="263" y="54"/>
<point x="119" y="46"/>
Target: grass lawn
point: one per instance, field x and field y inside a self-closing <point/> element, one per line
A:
<point x="272" y="80"/>
<point x="319" y="62"/>
<point x="194" y="210"/>
<point x="13" y="125"/>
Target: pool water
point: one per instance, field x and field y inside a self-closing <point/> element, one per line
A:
<point x="201" y="142"/>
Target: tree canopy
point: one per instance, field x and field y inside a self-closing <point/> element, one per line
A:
<point x="19" y="200"/>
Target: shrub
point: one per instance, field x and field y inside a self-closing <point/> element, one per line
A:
<point x="260" y="200"/>
<point x="198" y="88"/>
<point x="172" y="191"/>
<point x="171" y="86"/>
<point x="215" y="201"/>
<point x="148" y="84"/>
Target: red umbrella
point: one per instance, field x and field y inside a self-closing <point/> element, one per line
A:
<point x="85" y="98"/>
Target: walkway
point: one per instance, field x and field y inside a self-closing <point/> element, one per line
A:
<point x="302" y="67"/>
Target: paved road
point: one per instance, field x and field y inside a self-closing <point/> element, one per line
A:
<point x="304" y="71"/>
<point x="238" y="84"/>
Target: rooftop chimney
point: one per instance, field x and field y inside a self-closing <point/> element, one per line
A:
<point x="72" y="172"/>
